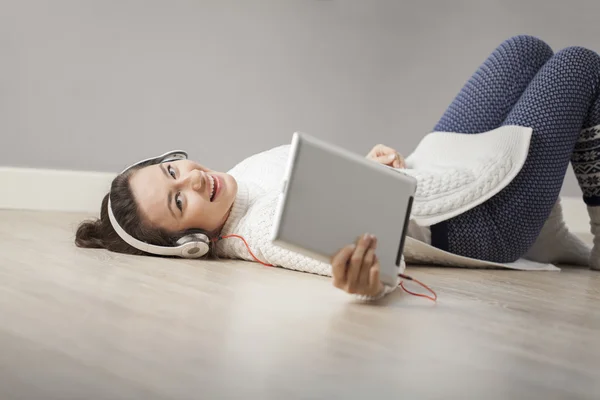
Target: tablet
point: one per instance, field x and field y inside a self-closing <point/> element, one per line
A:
<point x="331" y="196"/>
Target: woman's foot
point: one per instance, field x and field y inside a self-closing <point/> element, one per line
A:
<point x="556" y="245"/>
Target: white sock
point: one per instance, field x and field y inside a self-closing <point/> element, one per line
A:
<point x="594" y="213"/>
<point x="556" y="245"/>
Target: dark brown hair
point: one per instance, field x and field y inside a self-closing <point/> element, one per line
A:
<point x="99" y="233"/>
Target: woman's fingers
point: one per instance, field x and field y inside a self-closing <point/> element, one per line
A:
<point x="356" y="262"/>
<point x="375" y="285"/>
<point x="382" y="150"/>
<point x="368" y="261"/>
<point x="339" y="264"/>
<point x="398" y="162"/>
<point x="387" y="159"/>
<point x="355" y="268"/>
<point x="386" y="156"/>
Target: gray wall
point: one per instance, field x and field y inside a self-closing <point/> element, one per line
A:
<point x="95" y="85"/>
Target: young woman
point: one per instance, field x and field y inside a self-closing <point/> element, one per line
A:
<point x="489" y="179"/>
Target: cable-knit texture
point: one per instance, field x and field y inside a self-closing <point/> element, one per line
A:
<point x="457" y="172"/>
<point x="553" y="101"/>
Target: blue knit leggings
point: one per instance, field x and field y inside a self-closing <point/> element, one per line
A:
<point x="522" y="83"/>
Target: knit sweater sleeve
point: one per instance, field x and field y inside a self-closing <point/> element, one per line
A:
<point x="284" y="258"/>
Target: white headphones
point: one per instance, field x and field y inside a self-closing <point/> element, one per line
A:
<point x="190" y="246"/>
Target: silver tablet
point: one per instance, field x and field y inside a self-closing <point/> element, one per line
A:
<point x="331" y="196"/>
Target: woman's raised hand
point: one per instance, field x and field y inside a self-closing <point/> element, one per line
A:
<point x="355" y="268"/>
<point x="386" y="156"/>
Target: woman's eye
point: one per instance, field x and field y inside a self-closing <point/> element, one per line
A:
<point x="171" y="171"/>
<point x="178" y="201"/>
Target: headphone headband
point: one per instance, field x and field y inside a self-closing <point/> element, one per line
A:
<point x="190" y="246"/>
<point x="172" y="155"/>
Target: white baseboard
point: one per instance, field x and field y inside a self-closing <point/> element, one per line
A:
<point x="82" y="191"/>
<point x="53" y="190"/>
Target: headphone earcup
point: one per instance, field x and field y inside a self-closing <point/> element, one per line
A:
<point x="195" y="245"/>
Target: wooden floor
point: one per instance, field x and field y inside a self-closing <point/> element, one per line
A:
<point x="88" y="324"/>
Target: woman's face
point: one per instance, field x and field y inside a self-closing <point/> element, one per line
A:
<point x="182" y="195"/>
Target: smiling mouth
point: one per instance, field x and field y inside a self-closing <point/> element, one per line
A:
<point x="214" y="187"/>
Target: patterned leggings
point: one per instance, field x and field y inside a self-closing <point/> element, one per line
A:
<point x="522" y="83"/>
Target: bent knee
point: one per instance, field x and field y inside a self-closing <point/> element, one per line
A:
<point x="581" y="54"/>
<point x="527" y="43"/>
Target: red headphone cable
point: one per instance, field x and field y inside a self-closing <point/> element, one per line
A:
<point x="248" y="247"/>
<point x="410" y="278"/>
<point x="403" y="276"/>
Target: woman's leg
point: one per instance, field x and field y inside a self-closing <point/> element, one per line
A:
<point x="555" y="105"/>
<point x="586" y="157"/>
<point x="490" y="94"/>
<point x="586" y="164"/>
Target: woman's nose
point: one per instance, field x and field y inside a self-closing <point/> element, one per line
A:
<point x="196" y="179"/>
